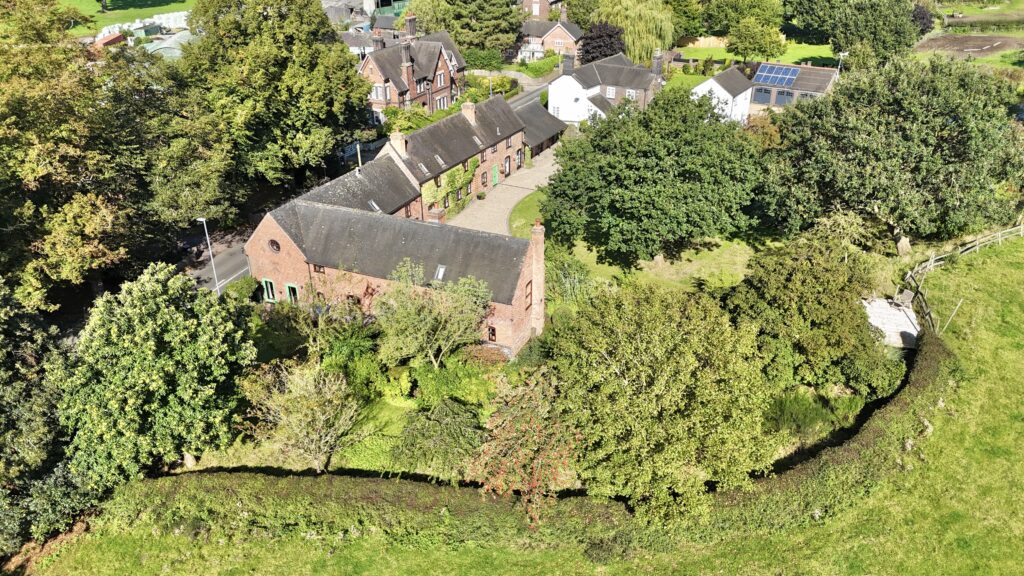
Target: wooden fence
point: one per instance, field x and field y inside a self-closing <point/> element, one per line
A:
<point x="914" y="279"/>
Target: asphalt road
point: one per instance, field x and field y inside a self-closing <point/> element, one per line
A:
<point x="231" y="265"/>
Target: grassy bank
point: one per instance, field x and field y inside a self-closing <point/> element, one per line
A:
<point x="817" y="54"/>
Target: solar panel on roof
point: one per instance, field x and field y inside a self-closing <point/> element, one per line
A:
<point x="774" y="75"/>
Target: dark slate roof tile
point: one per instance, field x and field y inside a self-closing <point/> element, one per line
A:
<point x="540" y="124"/>
<point x="378" y="185"/>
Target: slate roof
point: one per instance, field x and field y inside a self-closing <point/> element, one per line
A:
<point x="733" y="81"/>
<point x="539" y="123"/>
<point x="385" y="22"/>
<point x="540" y="28"/>
<point x="424" y="52"/>
<point x="380" y="181"/>
<point x="365" y="40"/>
<point x="374" y="244"/>
<point x="446" y="40"/>
<point x="452" y="140"/>
<point x="614" y="70"/>
<point x="601" y="103"/>
<point x="814" y="79"/>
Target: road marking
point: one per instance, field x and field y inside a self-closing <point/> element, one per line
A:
<point x="237" y="274"/>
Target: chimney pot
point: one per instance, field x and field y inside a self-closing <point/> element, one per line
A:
<point x="406" y="53"/>
<point x="410" y="24"/>
<point x="398" y="141"/>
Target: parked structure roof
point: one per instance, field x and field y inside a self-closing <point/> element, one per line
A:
<point x="539" y="124"/>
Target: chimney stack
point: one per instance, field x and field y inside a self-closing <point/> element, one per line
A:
<point x="406" y="53"/>
<point x="537" y="306"/>
<point x="410" y="24"/>
<point x="398" y="141"/>
<point x="564" y="15"/>
<point x="378" y="40"/>
<point x="656" y="65"/>
<point x="469" y="111"/>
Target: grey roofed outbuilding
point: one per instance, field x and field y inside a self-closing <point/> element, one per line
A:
<point x="616" y="71"/>
<point x="813" y="79"/>
<point x="451" y="139"/>
<point x="379" y="184"/>
<point x="540" y="28"/>
<point x="601" y="103"/>
<point x="540" y="125"/>
<point x="374" y="245"/>
<point x="733" y="81"/>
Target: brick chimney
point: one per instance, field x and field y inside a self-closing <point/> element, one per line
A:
<point x="656" y="64"/>
<point x="398" y="141"/>
<point x="378" y="40"/>
<point x="469" y="111"/>
<point x="564" y="16"/>
<point x="410" y="24"/>
<point x="406" y="48"/>
<point x="537" y="277"/>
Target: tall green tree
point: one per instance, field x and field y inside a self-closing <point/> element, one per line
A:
<point x="151" y="377"/>
<point x="267" y="92"/>
<point x="429" y="321"/>
<point x="669" y="396"/>
<point x="752" y="38"/>
<point x="432" y="15"/>
<point x="722" y="15"/>
<point x="687" y="17"/>
<point x="928" y="149"/>
<point x="657" y="181"/>
<point x="646" y="25"/>
<point x="441" y="441"/>
<point x="581" y="12"/>
<point x="486" y="24"/>
<point x="804" y="297"/>
<point x="601" y="41"/>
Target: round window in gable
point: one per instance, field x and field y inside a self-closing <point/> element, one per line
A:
<point x="275" y="245"/>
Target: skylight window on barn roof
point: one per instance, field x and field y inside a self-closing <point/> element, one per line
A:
<point x="423" y="169"/>
<point x="375" y="207"/>
<point x="477" y="141"/>
<point x="439" y="161"/>
<point x="439" y="274"/>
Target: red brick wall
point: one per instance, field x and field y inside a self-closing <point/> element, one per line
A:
<point x="568" y="44"/>
<point x="428" y="99"/>
<point x="514" y="324"/>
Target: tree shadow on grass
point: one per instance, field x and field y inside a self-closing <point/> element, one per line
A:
<point x="117" y="5"/>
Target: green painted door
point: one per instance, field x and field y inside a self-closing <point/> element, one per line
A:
<point x="494" y="175"/>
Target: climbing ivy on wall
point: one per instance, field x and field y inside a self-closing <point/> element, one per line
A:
<point x="454" y="180"/>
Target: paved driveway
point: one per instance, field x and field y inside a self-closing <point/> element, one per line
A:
<point x="491" y="214"/>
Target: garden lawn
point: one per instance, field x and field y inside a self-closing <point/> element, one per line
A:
<point x="680" y="81"/>
<point x="981" y="8"/>
<point x="817" y="54"/>
<point x="122" y="11"/>
<point x="724" y="265"/>
<point x="536" y="69"/>
<point x="956" y="511"/>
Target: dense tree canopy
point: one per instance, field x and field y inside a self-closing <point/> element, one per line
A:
<point x="665" y="414"/>
<point x="581" y="11"/>
<point x="601" y="41"/>
<point x="646" y="25"/>
<point x="926" y="148"/>
<point x="479" y="24"/>
<point x="805" y="299"/>
<point x="151" y="377"/>
<point x="657" y="181"/>
<point x="722" y="15"/>
<point x="687" y="17"/>
<point x="886" y="25"/>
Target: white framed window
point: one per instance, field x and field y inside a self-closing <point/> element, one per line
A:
<point x="554" y="111"/>
<point x="559" y="43"/>
<point x="609" y="92"/>
<point x="422" y="85"/>
<point x="442" y="103"/>
<point x="377" y="93"/>
<point x="440" y="80"/>
<point x="631" y="94"/>
<point x="536" y="8"/>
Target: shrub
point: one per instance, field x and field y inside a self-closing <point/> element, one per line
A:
<point x="12" y="521"/>
<point x="440" y="442"/>
<point x="800" y="412"/>
<point x="55" y="501"/>
<point x="480" y="59"/>
<point x="456" y="379"/>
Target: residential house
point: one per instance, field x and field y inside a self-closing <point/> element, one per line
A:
<point x="488" y="135"/>
<point x="344" y="238"/>
<point x="426" y="71"/>
<point x="746" y="90"/>
<point x="540" y="9"/>
<point x="542" y="130"/>
<point x="592" y="90"/>
<point x="539" y="36"/>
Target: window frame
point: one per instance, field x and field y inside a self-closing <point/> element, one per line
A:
<point x="319" y="269"/>
<point x="762" y="90"/>
<point x="272" y="296"/>
<point x="529" y="295"/>
<point x="609" y="92"/>
<point x="288" y="290"/>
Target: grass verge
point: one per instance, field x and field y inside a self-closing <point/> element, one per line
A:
<point x="122" y="11"/>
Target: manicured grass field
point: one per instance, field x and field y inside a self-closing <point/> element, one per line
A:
<point x="958" y="511"/>
<point x="680" y="81"/>
<point x="724" y="265"/>
<point x="122" y="11"/>
<point x="817" y="54"/>
<point x="980" y="8"/>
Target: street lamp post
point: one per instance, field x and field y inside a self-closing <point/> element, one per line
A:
<point x="216" y="282"/>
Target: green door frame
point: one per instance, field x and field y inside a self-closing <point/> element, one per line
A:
<point x="494" y="174"/>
